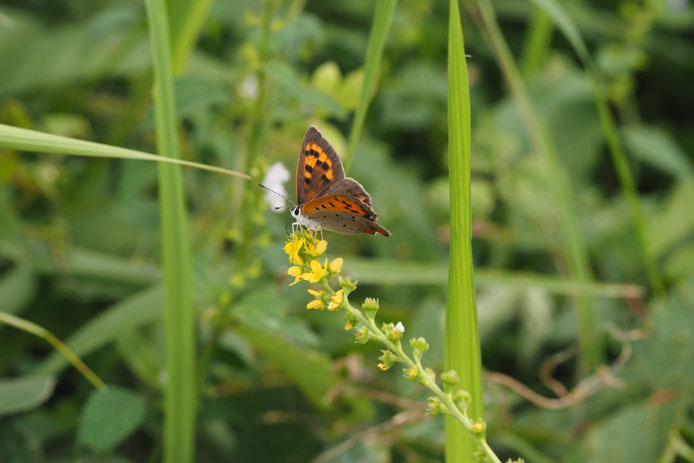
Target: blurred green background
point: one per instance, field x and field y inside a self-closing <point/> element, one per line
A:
<point x="79" y="237"/>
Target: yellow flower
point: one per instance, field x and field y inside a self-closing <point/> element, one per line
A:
<point x="317" y="249"/>
<point x="315" y="293"/>
<point x="336" y="300"/>
<point x="349" y="324"/>
<point x="295" y="272"/>
<point x="336" y="265"/>
<point x="318" y="302"/>
<point x="292" y="249"/>
<point x="317" y="272"/>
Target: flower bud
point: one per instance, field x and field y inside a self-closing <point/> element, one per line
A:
<point x="449" y="378"/>
<point x="461" y="398"/>
<point x="348" y="285"/>
<point x="362" y="335"/>
<point x="387" y="360"/>
<point x="393" y="332"/>
<point x="370" y="307"/>
<point x="479" y="428"/>
<point x="411" y="373"/>
<point x="434" y="406"/>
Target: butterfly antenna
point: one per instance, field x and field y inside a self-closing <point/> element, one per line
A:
<point x="278" y="194"/>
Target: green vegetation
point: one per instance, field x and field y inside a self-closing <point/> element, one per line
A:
<point x="146" y="312"/>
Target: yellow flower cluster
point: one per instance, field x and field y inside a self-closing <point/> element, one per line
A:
<point x="303" y="251"/>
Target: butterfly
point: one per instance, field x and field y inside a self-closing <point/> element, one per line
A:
<point x="326" y="198"/>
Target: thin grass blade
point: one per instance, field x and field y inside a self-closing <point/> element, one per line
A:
<point x="383" y="17"/>
<point x="186" y="18"/>
<point x="614" y="142"/>
<point x="31" y="140"/>
<point x="559" y="183"/>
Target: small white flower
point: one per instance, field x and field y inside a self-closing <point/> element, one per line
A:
<point x="400" y="327"/>
<point x="277" y="175"/>
<point x="249" y="87"/>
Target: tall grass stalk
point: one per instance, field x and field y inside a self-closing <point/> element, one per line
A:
<point x="462" y="343"/>
<point x="614" y="143"/>
<point x="179" y="318"/>
<point x="559" y="184"/>
<point x="383" y="17"/>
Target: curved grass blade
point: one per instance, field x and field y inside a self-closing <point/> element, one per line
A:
<point x="186" y="20"/>
<point x="558" y="181"/>
<point x="462" y="341"/>
<point x="614" y="142"/>
<point x="180" y="394"/>
<point x="50" y="338"/>
<point x="383" y="17"/>
<point x="31" y="140"/>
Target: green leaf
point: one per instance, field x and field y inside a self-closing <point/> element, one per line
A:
<point x="658" y="149"/>
<point x="17" y="288"/>
<point x="21" y="394"/>
<point x="109" y="417"/>
<point x="462" y="339"/>
<point x="309" y="369"/>
<point x="288" y="80"/>
<point x="266" y="311"/>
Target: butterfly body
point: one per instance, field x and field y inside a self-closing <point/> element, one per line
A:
<point x="327" y="199"/>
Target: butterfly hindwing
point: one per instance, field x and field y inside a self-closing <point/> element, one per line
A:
<point x="318" y="168"/>
<point x="343" y="214"/>
<point x="339" y="203"/>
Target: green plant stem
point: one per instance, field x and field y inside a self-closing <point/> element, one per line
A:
<point x="58" y="345"/>
<point x="396" y="347"/>
<point x="560" y="185"/>
<point x="258" y="120"/>
<point x="180" y="395"/>
<point x="383" y="17"/>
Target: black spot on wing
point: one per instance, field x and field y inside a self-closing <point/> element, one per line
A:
<point x="324" y="178"/>
<point x="307" y="180"/>
<point x="308" y="168"/>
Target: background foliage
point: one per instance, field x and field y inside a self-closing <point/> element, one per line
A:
<point x="79" y="237"/>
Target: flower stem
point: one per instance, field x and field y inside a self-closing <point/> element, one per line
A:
<point x="427" y="381"/>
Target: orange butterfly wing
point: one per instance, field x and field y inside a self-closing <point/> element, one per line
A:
<point x="344" y="214"/>
<point x="318" y="166"/>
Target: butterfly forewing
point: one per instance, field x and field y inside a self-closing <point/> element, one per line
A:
<point x="318" y="168"/>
